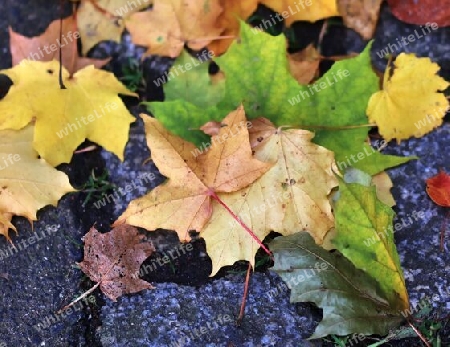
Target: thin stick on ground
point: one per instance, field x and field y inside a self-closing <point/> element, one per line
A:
<point x="424" y="340"/>
<point x="244" y="297"/>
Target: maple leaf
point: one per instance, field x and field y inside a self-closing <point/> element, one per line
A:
<point x="364" y="235"/>
<point x="200" y="88"/>
<point x="292" y="196"/>
<point x="47" y="47"/>
<point x="351" y="300"/>
<point x="103" y="20"/>
<point x="233" y="10"/>
<point x="112" y="259"/>
<point x="27" y="183"/>
<point x="409" y="105"/>
<point x="361" y="15"/>
<point x="438" y="189"/>
<point x="89" y="107"/>
<point x="331" y="102"/>
<point x="381" y="181"/>
<point x="293" y="11"/>
<point x="184" y="202"/>
<point x="173" y="23"/>
<point x="304" y="65"/>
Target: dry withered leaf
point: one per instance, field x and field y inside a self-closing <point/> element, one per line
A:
<point x="112" y="259"/>
<point x="47" y="47"/>
<point x="360" y="15"/>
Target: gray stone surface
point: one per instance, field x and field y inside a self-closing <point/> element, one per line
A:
<point x="427" y="269"/>
<point x="173" y="315"/>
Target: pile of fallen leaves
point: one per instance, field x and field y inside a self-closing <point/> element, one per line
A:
<point x="249" y="150"/>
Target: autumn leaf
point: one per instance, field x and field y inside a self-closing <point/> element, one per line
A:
<point x="311" y="11"/>
<point x="422" y="12"/>
<point x="291" y="197"/>
<point x="364" y="235"/>
<point x="360" y="15"/>
<point x="173" y="23"/>
<point x="27" y="183"/>
<point x="381" y="181"/>
<point x="351" y="300"/>
<point x="112" y="260"/>
<point x="184" y="202"/>
<point x="103" y="20"/>
<point x="304" y="65"/>
<point x="89" y="108"/>
<point x="228" y="20"/>
<point x="337" y="100"/>
<point x="197" y="86"/>
<point x="47" y="47"/>
<point x="438" y="189"/>
<point x="409" y="104"/>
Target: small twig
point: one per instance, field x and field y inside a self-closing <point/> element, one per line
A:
<point x="443" y="228"/>
<point x="424" y="340"/>
<point x="78" y="299"/>
<point x="244" y="297"/>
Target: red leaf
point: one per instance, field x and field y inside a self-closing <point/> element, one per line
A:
<point x="422" y="11"/>
<point x="438" y="188"/>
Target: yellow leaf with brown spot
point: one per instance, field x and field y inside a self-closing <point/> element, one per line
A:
<point x="103" y="20"/>
<point x="173" y="23"/>
<point x="291" y="197"/>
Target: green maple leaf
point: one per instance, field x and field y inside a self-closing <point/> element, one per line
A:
<point x="195" y="85"/>
<point x="257" y="75"/>
<point x="350" y="299"/>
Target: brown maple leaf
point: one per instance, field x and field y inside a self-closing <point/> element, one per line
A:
<point x="112" y="259"/>
<point x="47" y="46"/>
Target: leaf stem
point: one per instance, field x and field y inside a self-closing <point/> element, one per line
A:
<point x="326" y="127"/>
<point x="79" y="298"/>
<point x="252" y="234"/>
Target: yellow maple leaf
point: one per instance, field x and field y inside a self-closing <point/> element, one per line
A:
<point x="291" y="197"/>
<point x="103" y="20"/>
<point x="408" y="105"/>
<point x="89" y="108"/>
<point x="184" y="203"/>
<point x="26" y="182"/>
<point x="173" y="23"/>
<point x="307" y="10"/>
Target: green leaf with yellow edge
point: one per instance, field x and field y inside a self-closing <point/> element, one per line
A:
<point x="364" y="235"/>
<point x="351" y="300"/>
<point x="195" y="84"/>
<point x="257" y="75"/>
<point x="88" y="108"/>
<point x="409" y="104"/>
